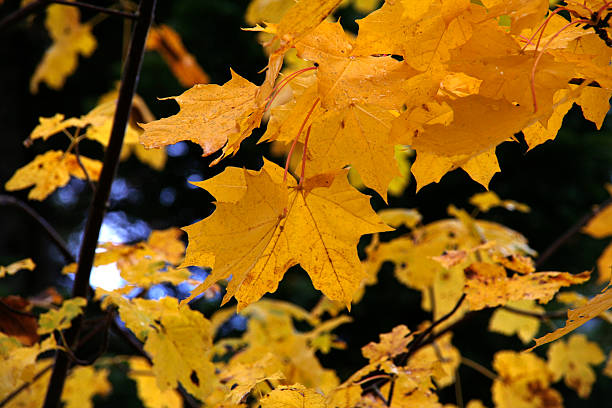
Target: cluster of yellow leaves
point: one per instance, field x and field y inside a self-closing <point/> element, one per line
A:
<point x="53" y="169"/>
<point x="443" y="77"/>
<point x="145" y="264"/>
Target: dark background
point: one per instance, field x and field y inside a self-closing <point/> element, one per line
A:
<point x="560" y="180"/>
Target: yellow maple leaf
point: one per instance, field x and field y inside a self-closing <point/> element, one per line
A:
<point x="209" y="115"/>
<point x="487" y="200"/>
<point x="242" y="378"/>
<point x="61" y="318"/>
<point x="524" y="382"/>
<point x="508" y="322"/>
<point x="572" y="361"/>
<point x="444" y="352"/>
<point x="422" y="33"/>
<point x="70" y="39"/>
<point x="51" y="170"/>
<point x="82" y="384"/>
<point x="390" y="345"/>
<point x="16" y="267"/>
<point x="147" y="388"/>
<point x="600" y="226"/>
<point x="396" y="217"/>
<point x="488" y="285"/>
<point x="604" y="265"/>
<point x="293" y="396"/>
<point x="178" y="340"/>
<point x="579" y="316"/>
<point x="304" y="224"/>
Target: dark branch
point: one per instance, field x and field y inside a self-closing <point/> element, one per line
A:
<point x="97" y="209"/>
<point x="51" y="232"/>
<point x="571" y="231"/>
<point x="22" y="13"/>
<point x="558" y="314"/>
<point x="104" y="10"/>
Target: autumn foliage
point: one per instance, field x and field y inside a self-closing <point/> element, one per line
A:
<point x="423" y="88"/>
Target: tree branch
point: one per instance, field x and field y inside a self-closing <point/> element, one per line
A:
<point x="104" y="10"/>
<point x="51" y="232"/>
<point x="479" y="367"/>
<point x="571" y="231"/>
<point x="97" y="209"/>
<point x="22" y="13"/>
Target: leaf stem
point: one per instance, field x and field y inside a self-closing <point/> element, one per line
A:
<point x="51" y="232"/>
<point x="304" y="151"/>
<point x="98" y="206"/>
<point x="22" y="13"/>
<point x="282" y="83"/>
<point x="541" y="52"/>
<point x="297" y="138"/>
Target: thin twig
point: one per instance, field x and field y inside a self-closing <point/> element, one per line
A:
<point x="420" y="340"/>
<point x="376" y="391"/>
<point x="24" y="386"/>
<point x="77" y="154"/>
<point x="104" y="10"/>
<point x="458" y="390"/>
<point x="571" y="231"/>
<point x="22" y="13"/>
<point x="51" y="232"/>
<point x="557" y="314"/>
<point x="391" y="389"/>
<point x="479" y="367"/>
<point x="97" y="209"/>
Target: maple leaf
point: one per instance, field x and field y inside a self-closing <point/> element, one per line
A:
<point x="178" y="341"/>
<point x="572" y="361"/>
<point x="169" y="45"/>
<point x="306" y="224"/>
<point x="16" y="321"/>
<point x="579" y="316"/>
<point x="422" y="34"/>
<point x="600" y="226"/>
<point x="487" y="200"/>
<point x="487" y="285"/>
<point x="82" y="384"/>
<point x="209" y="115"/>
<point x="524" y="381"/>
<point x="244" y="377"/>
<point x="51" y="170"/>
<point x="70" y="39"/>
<point x="508" y="322"/>
<point x="293" y="396"/>
<point x="396" y="217"/>
<point x="390" y="345"/>
<point x="62" y="318"/>
<point x="604" y="265"/>
<point x="15" y="267"/>
<point x="147" y="388"/>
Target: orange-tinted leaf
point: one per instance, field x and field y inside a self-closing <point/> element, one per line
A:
<point x="169" y="45"/>
<point x="487" y="285"/>
<point x="579" y="316"/>
<point x="390" y="345"/>
<point x="209" y="115"/>
<point x="15" y="320"/>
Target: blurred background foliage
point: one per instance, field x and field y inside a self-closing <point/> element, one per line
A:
<point x="559" y="180"/>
